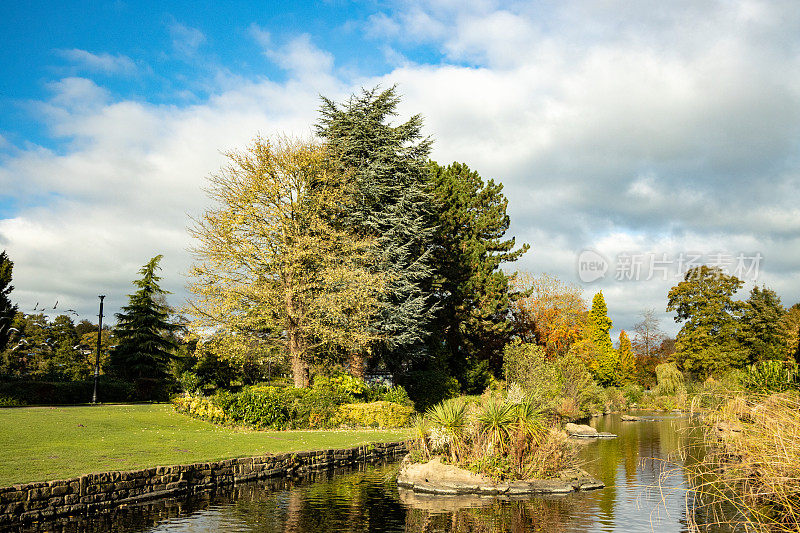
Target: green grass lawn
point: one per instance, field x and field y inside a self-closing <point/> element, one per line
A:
<point x="46" y="443"/>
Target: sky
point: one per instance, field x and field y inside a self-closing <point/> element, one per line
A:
<point x="634" y="139"/>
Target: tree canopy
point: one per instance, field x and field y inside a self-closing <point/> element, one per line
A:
<point x="708" y="339"/>
<point x="276" y="261"/>
<point x="599" y="333"/>
<point x="762" y="330"/>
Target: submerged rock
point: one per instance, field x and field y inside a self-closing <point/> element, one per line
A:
<point x="586" y="432"/>
<point x="435" y="477"/>
<point x="630" y="418"/>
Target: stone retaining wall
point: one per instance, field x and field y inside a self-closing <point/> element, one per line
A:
<point x="92" y="493"/>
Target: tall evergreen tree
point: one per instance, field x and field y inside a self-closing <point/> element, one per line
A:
<point x="762" y="330"/>
<point x="469" y="247"/>
<point x="143" y="330"/>
<point x="388" y="165"/>
<point x="599" y="332"/>
<point x="7" y="309"/>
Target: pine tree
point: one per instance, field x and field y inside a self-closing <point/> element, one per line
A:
<point x="7" y="310"/>
<point x="388" y="166"/>
<point x="627" y="360"/>
<point x="599" y="326"/>
<point x="143" y="330"/>
<point x="469" y="247"/>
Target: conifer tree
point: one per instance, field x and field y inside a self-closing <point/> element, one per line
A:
<point x="388" y="165"/>
<point x="627" y="360"/>
<point x="469" y="247"/>
<point x="599" y="326"/>
<point x="143" y="329"/>
<point x="7" y="309"/>
<point x="762" y="325"/>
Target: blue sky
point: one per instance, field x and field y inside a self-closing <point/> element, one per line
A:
<point x="635" y="129"/>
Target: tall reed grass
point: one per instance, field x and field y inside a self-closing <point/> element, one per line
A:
<point x="749" y="478"/>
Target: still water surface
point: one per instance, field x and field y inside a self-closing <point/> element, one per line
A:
<point x="645" y="491"/>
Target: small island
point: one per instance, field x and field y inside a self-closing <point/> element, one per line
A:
<point x="497" y="444"/>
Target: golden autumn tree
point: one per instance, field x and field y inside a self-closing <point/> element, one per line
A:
<point x="626" y="359"/>
<point x="275" y="263"/>
<point x="551" y="313"/>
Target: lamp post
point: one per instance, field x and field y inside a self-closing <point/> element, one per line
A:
<point x="97" y="357"/>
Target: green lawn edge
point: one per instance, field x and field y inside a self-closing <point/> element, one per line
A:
<point x="61" y="442"/>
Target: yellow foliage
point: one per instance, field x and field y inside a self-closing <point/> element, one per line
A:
<point x="275" y="260"/>
<point x="199" y="407"/>
<point x="375" y="414"/>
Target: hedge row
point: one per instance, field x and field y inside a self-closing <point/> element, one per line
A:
<point x="13" y="393"/>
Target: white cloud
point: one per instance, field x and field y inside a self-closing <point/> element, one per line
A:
<point x="302" y="58"/>
<point x="623" y="127"/>
<point x="103" y="62"/>
<point x="261" y="36"/>
<point x="185" y="39"/>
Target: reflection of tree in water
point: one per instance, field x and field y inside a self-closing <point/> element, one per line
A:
<point x="538" y="514"/>
<point x="349" y="502"/>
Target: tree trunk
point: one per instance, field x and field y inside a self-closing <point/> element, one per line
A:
<point x="358" y="365"/>
<point x="300" y="371"/>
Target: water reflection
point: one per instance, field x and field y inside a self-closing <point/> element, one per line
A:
<point x="644" y="492"/>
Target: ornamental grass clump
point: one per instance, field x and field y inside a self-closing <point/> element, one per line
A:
<point x="504" y="437"/>
<point x="749" y="477"/>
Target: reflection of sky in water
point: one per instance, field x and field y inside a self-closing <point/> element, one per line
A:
<point x="643" y="493"/>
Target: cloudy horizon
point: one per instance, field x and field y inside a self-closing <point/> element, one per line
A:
<point x="649" y="133"/>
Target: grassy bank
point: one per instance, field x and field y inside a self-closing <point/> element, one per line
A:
<point x="44" y="443"/>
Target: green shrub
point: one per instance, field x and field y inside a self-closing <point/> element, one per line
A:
<point x="632" y="393"/>
<point x="380" y="414"/>
<point x="613" y="399"/>
<point x="562" y="386"/>
<point x="397" y="394"/>
<point x="190" y="382"/>
<point x="342" y="383"/>
<point x="258" y="407"/>
<point x="430" y="386"/>
<point x="319" y="407"/>
<point x="5" y="401"/>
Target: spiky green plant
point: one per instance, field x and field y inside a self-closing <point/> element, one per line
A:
<point x="450" y="415"/>
<point x="496" y="419"/>
<point x="529" y="420"/>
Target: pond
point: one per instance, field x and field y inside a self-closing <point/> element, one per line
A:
<point x="645" y="491"/>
